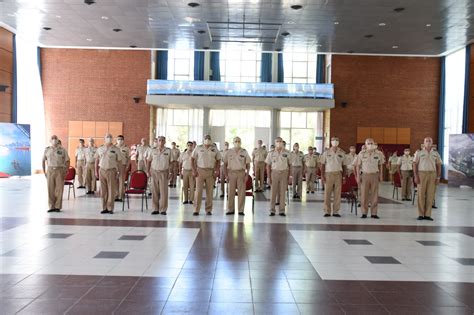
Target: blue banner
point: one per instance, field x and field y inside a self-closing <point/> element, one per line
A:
<point x="15" y="150"/>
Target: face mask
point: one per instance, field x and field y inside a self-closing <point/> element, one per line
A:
<point x="108" y="140"/>
<point x="54" y="141"/>
<point x="207" y="141"/>
<point x="375" y="146"/>
<point x="226" y="147"/>
<point x="296" y="148"/>
<point x="237" y="144"/>
<point x="334" y="143"/>
<point x="91" y="144"/>
<point x="120" y="141"/>
<point x="369" y="147"/>
<point x="259" y="145"/>
<point x="279" y="145"/>
<point x="407" y="152"/>
<point x="352" y="150"/>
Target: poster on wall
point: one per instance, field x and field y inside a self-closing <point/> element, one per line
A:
<point x="461" y="160"/>
<point x="15" y="150"/>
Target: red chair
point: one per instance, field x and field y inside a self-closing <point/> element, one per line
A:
<point x="397" y="183"/>
<point x="69" y="181"/>
<point x="348" y="193"/>
<point x="249" y="190"/>
<point x="136" y="185"/>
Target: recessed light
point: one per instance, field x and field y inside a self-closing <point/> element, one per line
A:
<point x="150" y="19"/>
<point x="336" y="23"/>
<point x="368" y="36"/>
<point x="193" y="4"/>
<point x="290" y="22"/>
<point x="382" y="24"/>
<point x="117" y="30"/>
<point x="133" y="46"/>
<point x="89" y="39"/>
<point x="104" y="17"/>
<point x="394" y="46"/>
<point x="89" y="2"/>
<point x="285" y="34"/>
<point x="296" y="7"/>
<point x="201" y="32"/>
<point x="398" y="10"/>
<point x="428" y="25"/>
<point x="438" y="37"/>
<point x="46" y="28"/>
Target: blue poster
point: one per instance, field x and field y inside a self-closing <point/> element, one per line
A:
<point x="15" y="150"/>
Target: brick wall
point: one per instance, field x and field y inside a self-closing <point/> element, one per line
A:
<point x="385" y="92"/>
<point x="95" y="85"/>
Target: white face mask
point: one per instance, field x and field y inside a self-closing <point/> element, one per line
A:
<point x="296" y="148"/>
<point x="120" y="141"/>
<point x="279" y="145"/>
<point x="237" y="145"/>
<point x="352" y="150"/>
<point x="54" y="141"/>
<point x="207" y="141"/>
<point x="108" y="140"/>
<point x="334" y="143"/>
<point x="407" y="152"/>
<point x="370" y="146"/>
<point x="91" y="144"/>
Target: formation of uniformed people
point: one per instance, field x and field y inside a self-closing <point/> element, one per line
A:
<point x="199" y="166"/>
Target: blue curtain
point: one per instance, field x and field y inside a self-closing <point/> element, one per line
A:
<point x="162" y="65"/>
<point x="199" y="65"/>
<point x="442" y="106"/>
<point x="465" y="117"/>
<point x="215" y="66"/>
<point x="14" y="85"/>
<point x="266" y="68"/>
<point x="281" y="73"/>
<point x="320" y="68"/>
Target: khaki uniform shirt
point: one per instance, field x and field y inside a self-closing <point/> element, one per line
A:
<point x="236" y="160"/>
<point x="427" y="160"/>
<point x="297" y="158"/>
<point x="311" y="160"/>
<point x="279" y="161"/>
<point x="405" y="162"/>
<point x="222" y="153"/>
<point x="125" y="150"/>
<point x="56" y="156"/>
<point x="393" y="160"/>
<point x="333" y="161"/>
<point x="160" y="160"/>
<point x="109" y="157"/>
<point x="350" y="159"/>
<point x="89" y="153"/>
<point x="185" y="159"/>
<point x="142" y="151"/>
<point x="259" y="154"/>
<point x="80" y="154"/>
<point x="369" y="161"/>
<point x="175" y="155"/>
<point x="206" y="158"/>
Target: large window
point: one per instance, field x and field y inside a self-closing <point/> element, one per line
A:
<point x="454" y="99"/>
<point x="299" y="67"/>
<point x="304" y="128"/>
<point x="180" y="65"/>
<point x="180" y="125"/>
<point x="239" y="64"/>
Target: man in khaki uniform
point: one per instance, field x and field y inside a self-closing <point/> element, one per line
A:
<point x="427" y="172"/>
<point x="297" y="160"/>
<point x="174" y="166"/>
<point x="310" y="163"/>
<point x="80" y="163"/>
<point x="90" y="178"/>
<point x="393" y="165"/>
<point x="58" y="163"/>
<point x="222" y="169"/>
<point x="259" y="155"/>
<point x="186" y="171"/>
<point x="123" y="167"/>
<point x="332" y="169"/>
<point x="278" y="170"/>
<point x="205" y="161"/>
<point x="142" y="150"/>
<point x="159" y="162"/>
<point x="369" y="164"/>
<point x="350" y="158"/>
<point x="107" y="163"/>
<point x="236" y="168"/>
<point x="405" y="169"/>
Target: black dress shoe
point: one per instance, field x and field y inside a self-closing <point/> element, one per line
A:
<point x="221" y="196"/>
<point x="119" y="200"/>
<point x="374" y="216"/>
<point x="327" y="215"/>
<point x="81" y="187"/>
<point x="149" y="194"/>
<point x="209" y="213"/>
<point x="408" y="199"/>
<point x="312" y="192"/>
<point x="358" y="205"/>
<point x="110" y="212"/>
<point x="190" y="202"/>
<point x="272" y="214"/>
<point x="307" y="191"/>
<point x="185" y="202"/>
<point x="241" y="213"/>
<point x="282" y="214"/>
<point x="104" y="211"/>
<point x="195" y="213"/>
<point x="420" y="218"/>
<point x="52" y="210"/>
<point x="364" y="216"/>
<point x="155" y="212"/>
<point x="434" y="207"/>
<point x="277" y="204"/>
<point x="230" y="212"/>
<point x="174" y="186"/>
<point x="163" y="212"/>
<point x="428" y="218"/>
<point x="170" y="185"/>
<point x="337" y="215"/>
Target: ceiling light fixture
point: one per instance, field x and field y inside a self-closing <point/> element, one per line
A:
<point x="58" y="16"/>
<point x="201" y="32"/>
<point x="117" y="30"/>
<point x="428" y="25"/>
<point x="336" y="23"/>
<point x="368" y="36"/>
<point x="382" y="24"/>
<point x="89" y="39"/>
<point x="296" y="7"/>
<point x="285" y="34"/>
<point x="394" y="46"/>
<point x="104" y="17"/>
<point x="133" y="46"/>
<point x="150" y="19"/>
<point x="398" y="10"/>
<point x="89" y="2"/>
<point x="46" y="28"/>
<point x="205" y="47"/>
<point x="290" y="22"/>
<point x="193" y="4"/>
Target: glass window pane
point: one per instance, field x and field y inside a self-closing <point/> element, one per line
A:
<point x="285" y="135"/>
<point x="262" y="118"/>
<point x="304" y="137"/>
<point x="300" y="69"/>
<point x="232" y="68"/>
<point x="181" y="67"/>
<point x="285" y="119"/>
<point x="232" y="118"/>
<point x="298" y="120"/>
<point x="248" y="68"/>
<point x="217" y="117"/>
<point x="181" y="117"/>
<point x="311" y="120"/>
<point x="300" y="57"/>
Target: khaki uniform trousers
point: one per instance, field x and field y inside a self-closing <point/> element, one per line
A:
<point x="81" y="168"/>
<point x="55" y="181"/>
<point x="260" y="175"/>
<point x="188" y="185"/>
<point x="369" y="193"/>
<point x="236" y="181"/>
<point x="108" y="187"/>
<point x="90" y="177"/>
<point x="222" y="179"/>
<point x="393" y="170"/>
<point x="332" y="186"/>
<point x="174" y="168"/>
<point x="310" y="177"/>
<point x="205" y="176"/>
<point x="159" y="193"/>
<point x="121" y="181"/>
<point x="141" y="165"/>
<point x="407" y="179"/>
<point x="297" y="174"/>
<point x="278" y="190"/>
<point x="426" y="192"/>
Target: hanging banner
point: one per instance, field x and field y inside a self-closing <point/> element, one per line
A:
<point x="461" y="160"/>
<point x="15" y="150"/>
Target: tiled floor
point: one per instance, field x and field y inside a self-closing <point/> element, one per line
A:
<point x="81" y="262"/>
